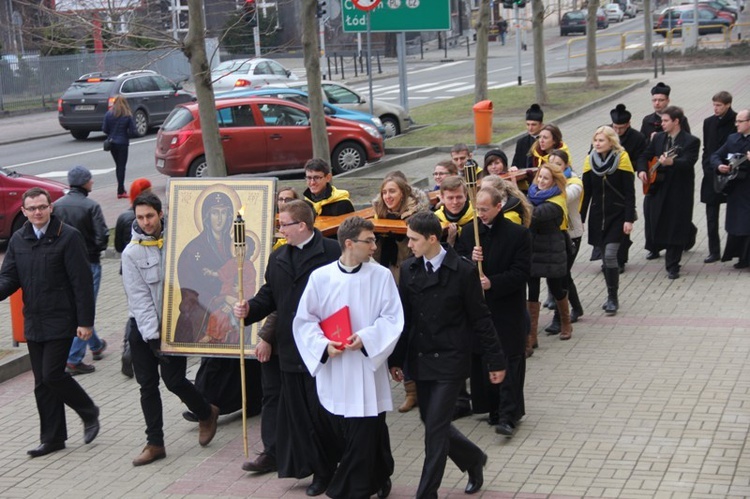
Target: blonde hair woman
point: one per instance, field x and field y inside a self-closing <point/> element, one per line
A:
<point x="609" y="201"/>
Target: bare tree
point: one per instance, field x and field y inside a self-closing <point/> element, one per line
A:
<point x="194" y="48"/>
<point x="480" y="59"/>
<point x="314" y="88"/>
<point x="592" y="78"/>
<point x="648" y="29"/>
<point x="540" y="69"/>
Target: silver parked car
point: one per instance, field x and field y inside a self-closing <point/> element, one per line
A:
<point x="394" y="117"/>
<point x="249" y="73"/>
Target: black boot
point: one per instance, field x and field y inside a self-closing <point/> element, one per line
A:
<point x="576" y="309"/>
<point x="554" y="326"/>
<point x="612" y="276"/>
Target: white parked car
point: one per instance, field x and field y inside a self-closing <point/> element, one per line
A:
<point x="628" y="8"/>
<point x="614" y="12"/>
<point x="394" y="117"/>
<point x="249" y="74"/>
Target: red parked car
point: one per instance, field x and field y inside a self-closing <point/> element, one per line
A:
<point x="12" y="187"/>
<point x="260" y="134"/>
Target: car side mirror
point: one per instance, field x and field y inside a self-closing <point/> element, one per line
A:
<point x="288" y="73"/>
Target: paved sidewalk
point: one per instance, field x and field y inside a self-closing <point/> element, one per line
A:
<point x="654" y="402"/>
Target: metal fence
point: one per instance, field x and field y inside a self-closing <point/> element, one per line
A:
<point x="33" y="82"/>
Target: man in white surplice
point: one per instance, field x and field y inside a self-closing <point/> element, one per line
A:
<point x="352" y="383"/>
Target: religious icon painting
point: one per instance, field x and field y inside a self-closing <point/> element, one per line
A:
<point x="216" y="231"/>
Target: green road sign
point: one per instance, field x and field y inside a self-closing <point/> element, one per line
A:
<point x="398" y="15"/>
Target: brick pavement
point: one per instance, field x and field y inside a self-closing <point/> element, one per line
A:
<point x="654" y="402"/>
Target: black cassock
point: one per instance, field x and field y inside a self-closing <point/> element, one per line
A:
<point x="218" y="379"/>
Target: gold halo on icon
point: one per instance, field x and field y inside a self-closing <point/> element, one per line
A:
<point x="198" y="208"/>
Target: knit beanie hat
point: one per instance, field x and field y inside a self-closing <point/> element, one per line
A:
<point x="78" y="176"/>
<point x="498" y="153"/>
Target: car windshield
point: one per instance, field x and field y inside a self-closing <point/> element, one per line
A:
<point x="178" y="118"/>
<point x="233" y="65"/>
<point x="574" y="15"/>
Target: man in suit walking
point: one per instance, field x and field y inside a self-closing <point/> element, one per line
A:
<point x="669" y="220"/>
<point x="444" y="313"/>
<point x="47" y="260"/>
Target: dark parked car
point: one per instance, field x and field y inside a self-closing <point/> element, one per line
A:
<point x="573" y="22"/>
<point x="674" y="17"/>
<point x="260" y="134"/>
<point x="151" y="96"/>
<point x="12" y="187"/>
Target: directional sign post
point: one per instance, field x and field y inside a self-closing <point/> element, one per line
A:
<point x="367" y="6"/>
<point x="397" y="15"/>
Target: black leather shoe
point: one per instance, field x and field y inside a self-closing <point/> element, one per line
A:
<point x="674" y="274"/>
<point x="711" y="258"/>
<point x="189" y="416"/>
<point x="385" y="490"/>
<point x="476" y="476"/>
<point x="741" y="265"/>
<point x="264" y="463"/>
<point x="127" y="366"/>
<point x="91" y="429"/>
<point x="652" y="255"/>
<point x="493" y="418"/>
<point x="504" y="428"/>
<point x="46" y="448"/>
<point x="317" y="487"/>
<point x="553" y="327"/>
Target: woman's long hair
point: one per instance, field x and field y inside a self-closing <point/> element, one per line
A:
<point x="381" y="210"/>
<point x="558" y="176"/>
<point x="120" y="107"/>
<point x="556" y="137"/>
<point x="611" y="136"/>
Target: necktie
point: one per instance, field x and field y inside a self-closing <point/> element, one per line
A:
<point x="41" y="235"/>
<point x="430" y="268"/>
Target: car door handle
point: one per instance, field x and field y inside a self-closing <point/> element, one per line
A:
<point x="226" y="137"/>
<point x="275" y="136"/>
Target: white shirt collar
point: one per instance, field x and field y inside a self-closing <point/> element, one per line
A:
<point x="41" y="231"/>
<point x="437" y="260"/>
<point x="303" y="243"/>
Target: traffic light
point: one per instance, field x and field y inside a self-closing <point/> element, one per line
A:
<point x="321" y="9"/>
<point x="250" y="16"/>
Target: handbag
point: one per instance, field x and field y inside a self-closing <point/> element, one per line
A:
<point x="107" y="144"/>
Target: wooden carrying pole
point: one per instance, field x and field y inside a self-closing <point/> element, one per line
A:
<point x="470" y="177"/>
<point x="240" y="250"/>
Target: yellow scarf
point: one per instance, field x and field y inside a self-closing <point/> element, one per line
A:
<point x="152" y="242"/>
<point x="336" y="196"/>
<point x="466" y="218"/>
<point x="559" y="200"/>
<point x="513" y="216"/>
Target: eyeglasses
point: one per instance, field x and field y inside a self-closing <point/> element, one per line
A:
<point x="289" y="224"/>
<point x="40" y="208"/>
<point x="314" y="178"/>
<point x="741" y="121"/>
<point x="369" y="240"/>
<point x="285" y="200"/>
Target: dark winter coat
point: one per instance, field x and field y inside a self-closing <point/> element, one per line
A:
<point x="633" y="142"/>
<point x="716" y="130"/>
<point x="443" y="314"/>
<point x="608" y="202"/>
<point x="119" y="130"/>
<point x="55" y="276"/>
<point x="506" y="247"/>
<point x="521" y="156"/>
<point x="670" y="214"/>
<point x="738" y="200"/>
<point x="549" y="256"/>
<point x="283" y="289"/>
<point x="83" y="213"/>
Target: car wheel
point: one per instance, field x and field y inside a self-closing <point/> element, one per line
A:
<point x="80" y="134"/>
<point x="347" y="157"/>
<point x="391" y="126"/>
<point x="198" y="168"/>
<point x="141" y="122"/>
<point x="17" y="223"/>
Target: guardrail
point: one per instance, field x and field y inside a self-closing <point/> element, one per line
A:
<point x="670" y="40"/>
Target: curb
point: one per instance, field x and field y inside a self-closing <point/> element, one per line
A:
<point x="13" y="365"/>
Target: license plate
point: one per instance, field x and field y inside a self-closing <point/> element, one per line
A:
<point x="160" y="163"/>
<point x="85" y="107"/>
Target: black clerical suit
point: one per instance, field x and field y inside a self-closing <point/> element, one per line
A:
<point x="521" y="156"/>
<point x="737" y="222"/>
<point x="444" y="311"/>
<point x="669" y="221"/>
<point x="58" y="297"/>
<point x="303" y="436"/>
<point x="634" y="144"/>
<point x="716" y="130"/>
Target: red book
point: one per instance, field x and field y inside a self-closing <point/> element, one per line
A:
<point x="338" y="326"/>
